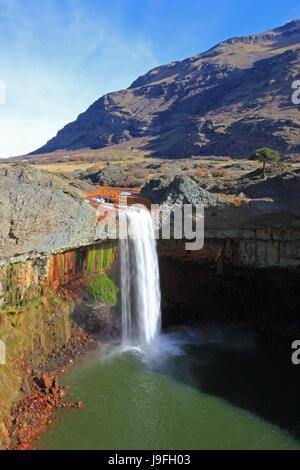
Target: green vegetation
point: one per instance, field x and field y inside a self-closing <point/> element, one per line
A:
<point x="103" y="289"/>
<point x="15" y="291"/>
<point x="265" y="155"/>
<point x="100" y="257"/>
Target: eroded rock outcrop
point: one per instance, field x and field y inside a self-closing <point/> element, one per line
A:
<point x="40" y="215"/>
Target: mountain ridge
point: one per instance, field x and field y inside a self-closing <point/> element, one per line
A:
<point x="226" y="101"/>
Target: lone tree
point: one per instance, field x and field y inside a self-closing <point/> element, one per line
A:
<point x="265" y="155"/>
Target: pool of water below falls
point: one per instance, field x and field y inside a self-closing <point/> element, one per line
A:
<point x="205" y="389"/>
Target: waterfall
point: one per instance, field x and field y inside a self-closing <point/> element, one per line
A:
<point x="141" y="318"/>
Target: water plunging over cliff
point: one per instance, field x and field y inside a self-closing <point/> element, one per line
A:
<point x="141" y="316"/>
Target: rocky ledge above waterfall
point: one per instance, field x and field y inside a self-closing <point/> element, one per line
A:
<point x="258" y="224"/>
<point x="262" y="204"/>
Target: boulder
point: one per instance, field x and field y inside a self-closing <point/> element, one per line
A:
<point x="182" y="190"/>
<point x="40" y="215"/>
<point x="45" y="380"/>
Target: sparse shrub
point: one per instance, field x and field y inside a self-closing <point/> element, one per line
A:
<point x="199" y="172"/>
<point x="219" y="172"/>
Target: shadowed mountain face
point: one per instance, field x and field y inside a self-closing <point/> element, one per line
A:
<point x="228" y="101"/>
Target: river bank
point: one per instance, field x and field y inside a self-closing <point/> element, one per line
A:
<point x="31" y="415"/>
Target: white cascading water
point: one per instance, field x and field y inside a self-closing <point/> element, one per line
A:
<point x="141" y="317"/>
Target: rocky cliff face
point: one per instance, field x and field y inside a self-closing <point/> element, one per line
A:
<point x="48" y="260"/>
<point x="261" y="231"/>
<point x="226" y="101"/>
<point x="40" y="215"/>
<point x="248" y="271"/>
<point x="208" y="292"/>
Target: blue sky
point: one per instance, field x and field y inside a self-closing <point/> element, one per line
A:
<point x="59" y="56"/>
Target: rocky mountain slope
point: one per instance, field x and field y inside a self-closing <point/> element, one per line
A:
<point x="226" y="101"/>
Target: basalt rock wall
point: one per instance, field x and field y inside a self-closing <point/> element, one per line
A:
<point x="257" y="249"/>
<point x="241" y="283"/>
